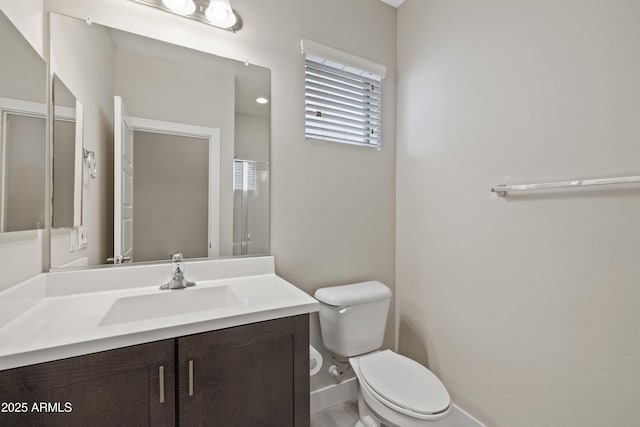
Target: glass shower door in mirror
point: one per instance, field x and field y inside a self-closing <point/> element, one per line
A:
<point x="250" y="202"/>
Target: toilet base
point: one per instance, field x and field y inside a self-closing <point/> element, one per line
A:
<point x="366" y="419"/>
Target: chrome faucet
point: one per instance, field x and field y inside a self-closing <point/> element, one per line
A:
<point x="177" y="268"/>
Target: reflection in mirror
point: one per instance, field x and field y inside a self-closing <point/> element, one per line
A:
<point x="67" y="162"/>
<point x="187" y="143"/>
<point x="250" y="199"/>
<point x="22" y="132"/>
<point x="191" y="169"/>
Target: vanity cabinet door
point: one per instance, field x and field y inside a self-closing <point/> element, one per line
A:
<point x="112" y="388"/>
<point x="254" y="375"/>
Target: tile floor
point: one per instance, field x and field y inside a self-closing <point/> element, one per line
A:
<point x="342" y="415"/>
<point x="346" y="415"/>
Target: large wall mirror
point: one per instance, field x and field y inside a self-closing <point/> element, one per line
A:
<point x="22" y="132"/>
<point x="180" y="146"/>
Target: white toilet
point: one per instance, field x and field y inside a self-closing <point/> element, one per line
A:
<point x="393" y="389"/>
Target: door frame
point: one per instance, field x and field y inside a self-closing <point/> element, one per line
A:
<point x="121" y="125"/>
<point x="202" y="132"/>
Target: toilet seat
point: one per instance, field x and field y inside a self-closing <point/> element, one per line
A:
<point x="403" y="384"/>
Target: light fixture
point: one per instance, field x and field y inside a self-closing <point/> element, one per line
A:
<point x="217" y="13"/>
<point x="262" y="100"/>
<point x="183" y="7"/>
<point x="220" y="13"/>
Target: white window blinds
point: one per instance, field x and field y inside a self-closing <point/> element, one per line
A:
<point x="244" y="174"/>
<point x="342" y="102"/>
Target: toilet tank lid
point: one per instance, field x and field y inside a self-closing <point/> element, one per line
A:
<point x="356" y="293"/>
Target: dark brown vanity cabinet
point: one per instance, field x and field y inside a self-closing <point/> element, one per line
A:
<point x="120" y="387"/>
<point x="252" y="375"/>
<point x="255" y="375"/>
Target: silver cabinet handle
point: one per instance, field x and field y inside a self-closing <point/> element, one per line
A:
<point x="190" y="377"/>
<point x="161" y="374"/>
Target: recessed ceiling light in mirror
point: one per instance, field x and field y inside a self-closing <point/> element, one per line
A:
<point x="262" y="100"/>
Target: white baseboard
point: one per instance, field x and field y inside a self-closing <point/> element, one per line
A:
<point x="332" y="395"/>
<point x="460" y="418"/>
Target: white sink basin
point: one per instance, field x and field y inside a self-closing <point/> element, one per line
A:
<point x="169" y="303"/>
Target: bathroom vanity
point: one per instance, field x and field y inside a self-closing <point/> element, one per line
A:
<point x="108" y="357"/>
<point x="106" y="346"/>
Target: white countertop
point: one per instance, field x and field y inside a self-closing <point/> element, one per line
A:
<point x="56" y="320"/>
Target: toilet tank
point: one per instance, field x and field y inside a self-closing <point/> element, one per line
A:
<point x="353" y="317"/>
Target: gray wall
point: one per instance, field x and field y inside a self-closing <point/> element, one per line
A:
<point x="27" y="16"/>
<point x="24" y="74"/>
<point x="252" y="137"/>
<point x="526" y="307"/>
<point x="83" y="57"/>
<point x="170" y="196"/>
<point x="64" y="145"/>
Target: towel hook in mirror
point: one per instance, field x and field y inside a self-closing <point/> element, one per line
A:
<point x="90" y="159"/>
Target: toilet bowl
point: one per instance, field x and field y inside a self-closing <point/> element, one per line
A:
<point x="393" y="390"/>
<point x="397" y="391"/>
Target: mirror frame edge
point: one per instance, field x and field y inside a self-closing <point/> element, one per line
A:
<point x="48" y="206"/>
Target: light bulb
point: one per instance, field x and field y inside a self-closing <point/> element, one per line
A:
<point x="262" y="100"/>
<point x="220" y="13"/>
<point x="185" y="7"/>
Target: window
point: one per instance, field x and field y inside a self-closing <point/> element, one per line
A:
<point x="342" y="96"/>
<point x="240" y="167"/>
